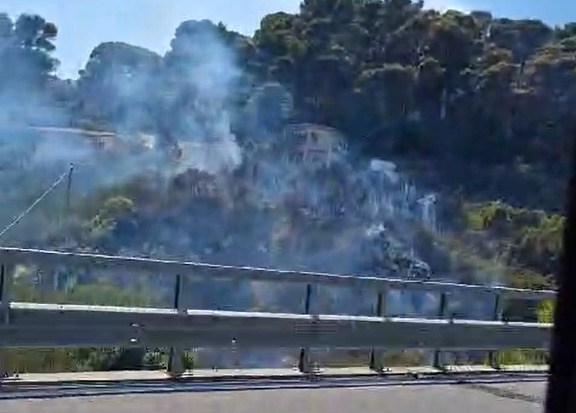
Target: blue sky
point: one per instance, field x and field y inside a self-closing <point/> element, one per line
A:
<point x="83" y="24"/>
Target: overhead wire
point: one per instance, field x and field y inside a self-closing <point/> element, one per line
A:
<point x="48" y="191"/>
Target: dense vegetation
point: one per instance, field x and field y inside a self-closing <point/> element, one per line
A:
<point x="476" y="108"/>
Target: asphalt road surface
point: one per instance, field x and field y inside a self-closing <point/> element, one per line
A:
<point x="465" y="398"/>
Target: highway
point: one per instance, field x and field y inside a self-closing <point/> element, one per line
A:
<point x="455" y="398"/>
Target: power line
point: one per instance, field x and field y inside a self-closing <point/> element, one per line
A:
<point x="36" y="202"/>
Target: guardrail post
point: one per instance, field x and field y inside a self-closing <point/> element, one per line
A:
<point x="497" y="316"/>
<point x="442" y="307"/>
<point x="5" y="286"/>
<point x="376" y="362"/>
<point x="304" y="358"/>
<point x="175" y="365"/>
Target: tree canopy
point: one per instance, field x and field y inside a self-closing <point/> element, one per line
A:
<point x="460" y="91"/>
<point x="26" y="45"/>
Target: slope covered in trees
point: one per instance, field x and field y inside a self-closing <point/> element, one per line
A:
<point x="490" y="98"/>
<point x="475" y="107"/>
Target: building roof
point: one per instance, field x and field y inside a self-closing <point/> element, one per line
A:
<point x="315" y="127"/>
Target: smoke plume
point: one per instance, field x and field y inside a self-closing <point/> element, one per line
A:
<point x="274" y="195"/>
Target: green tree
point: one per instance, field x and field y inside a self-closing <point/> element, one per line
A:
<point x="117" y="85"/>
<point x="26" y="44"/>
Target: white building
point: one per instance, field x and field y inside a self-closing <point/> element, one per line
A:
<point x="314" y="144"/>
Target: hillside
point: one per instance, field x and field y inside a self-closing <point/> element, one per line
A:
<point x="361" y="137"/>
<point x="473" y="108"/>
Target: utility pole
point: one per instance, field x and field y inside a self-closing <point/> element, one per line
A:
<point x="69" y="190"/>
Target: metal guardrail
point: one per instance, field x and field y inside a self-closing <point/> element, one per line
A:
<point x="53" y="325"/>
<point x="46" y="259"/>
